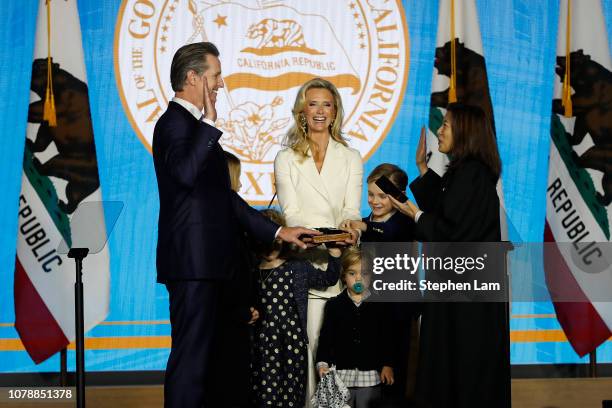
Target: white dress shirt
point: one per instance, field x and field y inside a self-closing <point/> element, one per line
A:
<point x="193" y="110"/>
<point x="417" y="216"/>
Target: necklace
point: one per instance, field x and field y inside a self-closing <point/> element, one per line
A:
<point x="263" y="280"/>
<point x="274" y="264"/>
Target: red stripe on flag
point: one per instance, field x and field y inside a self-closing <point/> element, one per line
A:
<point x="40" y="333"/>
<point x="580" y="321"/>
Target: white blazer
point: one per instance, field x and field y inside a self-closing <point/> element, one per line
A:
<point x="312" y="199"/>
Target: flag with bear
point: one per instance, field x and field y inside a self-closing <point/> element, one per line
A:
<point x="579" y="191"/>
<point x="460" y="75"/>
<point x="59" y="172"/>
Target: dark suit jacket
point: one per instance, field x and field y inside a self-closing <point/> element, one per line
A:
<point x="398" y="228"/>
<point x="357" y="337"/>
<point x="200" y="217"/>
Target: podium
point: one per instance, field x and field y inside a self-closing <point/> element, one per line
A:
<point x="90" y="226"/>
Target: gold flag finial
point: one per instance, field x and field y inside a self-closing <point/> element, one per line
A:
<point x="566" y="96"/>
<point x="49" y="113"/>
<point x="452" y="89"/>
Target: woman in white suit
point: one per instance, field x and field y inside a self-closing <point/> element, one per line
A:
<point x="318" y="182"/>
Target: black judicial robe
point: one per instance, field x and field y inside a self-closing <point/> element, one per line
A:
<point x="464" y="349"/>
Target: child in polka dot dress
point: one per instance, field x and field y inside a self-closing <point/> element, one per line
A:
<point x="279" y="359"/>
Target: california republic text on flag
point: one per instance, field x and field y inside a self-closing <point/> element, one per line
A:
<point x="580" y="176"/>
<point x="59" y="172"/>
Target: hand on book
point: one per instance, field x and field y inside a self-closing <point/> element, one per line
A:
<point x="300" y="236"/>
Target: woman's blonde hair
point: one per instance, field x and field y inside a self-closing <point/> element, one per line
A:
<point x="297" y="137"/>
<point x="233" y="165"/>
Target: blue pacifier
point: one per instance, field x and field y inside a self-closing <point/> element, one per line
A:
<point x="358" y="287"/>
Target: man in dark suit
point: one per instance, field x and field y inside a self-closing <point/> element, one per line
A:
<point x="199" y="222"/>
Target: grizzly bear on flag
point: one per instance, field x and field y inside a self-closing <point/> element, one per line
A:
<point x="472" y="82"/>
<point x="592" y="108"/>
<point x="75" y="161"/>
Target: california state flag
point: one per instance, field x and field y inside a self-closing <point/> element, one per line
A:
<point x="59" y="172"/>
<point x="460" y="75"/>
<point x="580" y="178"/>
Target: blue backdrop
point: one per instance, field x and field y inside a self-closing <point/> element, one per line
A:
<point x="519" y="39"/>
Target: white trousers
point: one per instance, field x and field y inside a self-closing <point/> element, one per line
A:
<point x="316" y="306"/>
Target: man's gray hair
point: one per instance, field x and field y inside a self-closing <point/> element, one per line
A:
<point x="190" y="57"/>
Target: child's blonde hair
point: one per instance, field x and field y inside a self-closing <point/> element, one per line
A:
<point x="352" y="256"/>
<point x="396" y="175"/>
<point x="233" y="165"/>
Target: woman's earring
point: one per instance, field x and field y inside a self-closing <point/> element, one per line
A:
<point x="304" y="124"/>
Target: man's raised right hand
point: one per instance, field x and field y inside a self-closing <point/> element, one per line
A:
<point x="210" y="111"/>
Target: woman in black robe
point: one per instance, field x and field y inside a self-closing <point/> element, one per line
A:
<point x="464" y="349"/>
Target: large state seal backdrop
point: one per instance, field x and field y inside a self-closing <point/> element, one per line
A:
<point x="276" y="46"/>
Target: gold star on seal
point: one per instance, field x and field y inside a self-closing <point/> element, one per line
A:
<point x="220" y="21"/>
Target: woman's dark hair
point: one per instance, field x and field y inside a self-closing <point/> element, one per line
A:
<point x="473" y="137"/>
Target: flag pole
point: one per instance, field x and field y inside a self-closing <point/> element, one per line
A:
<point x="63" y="367"/>
<point x="566" y="98"/>
<point x="49" y="111"/>
<point x="452" y="88"/>
<point x="593" y="364"/>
